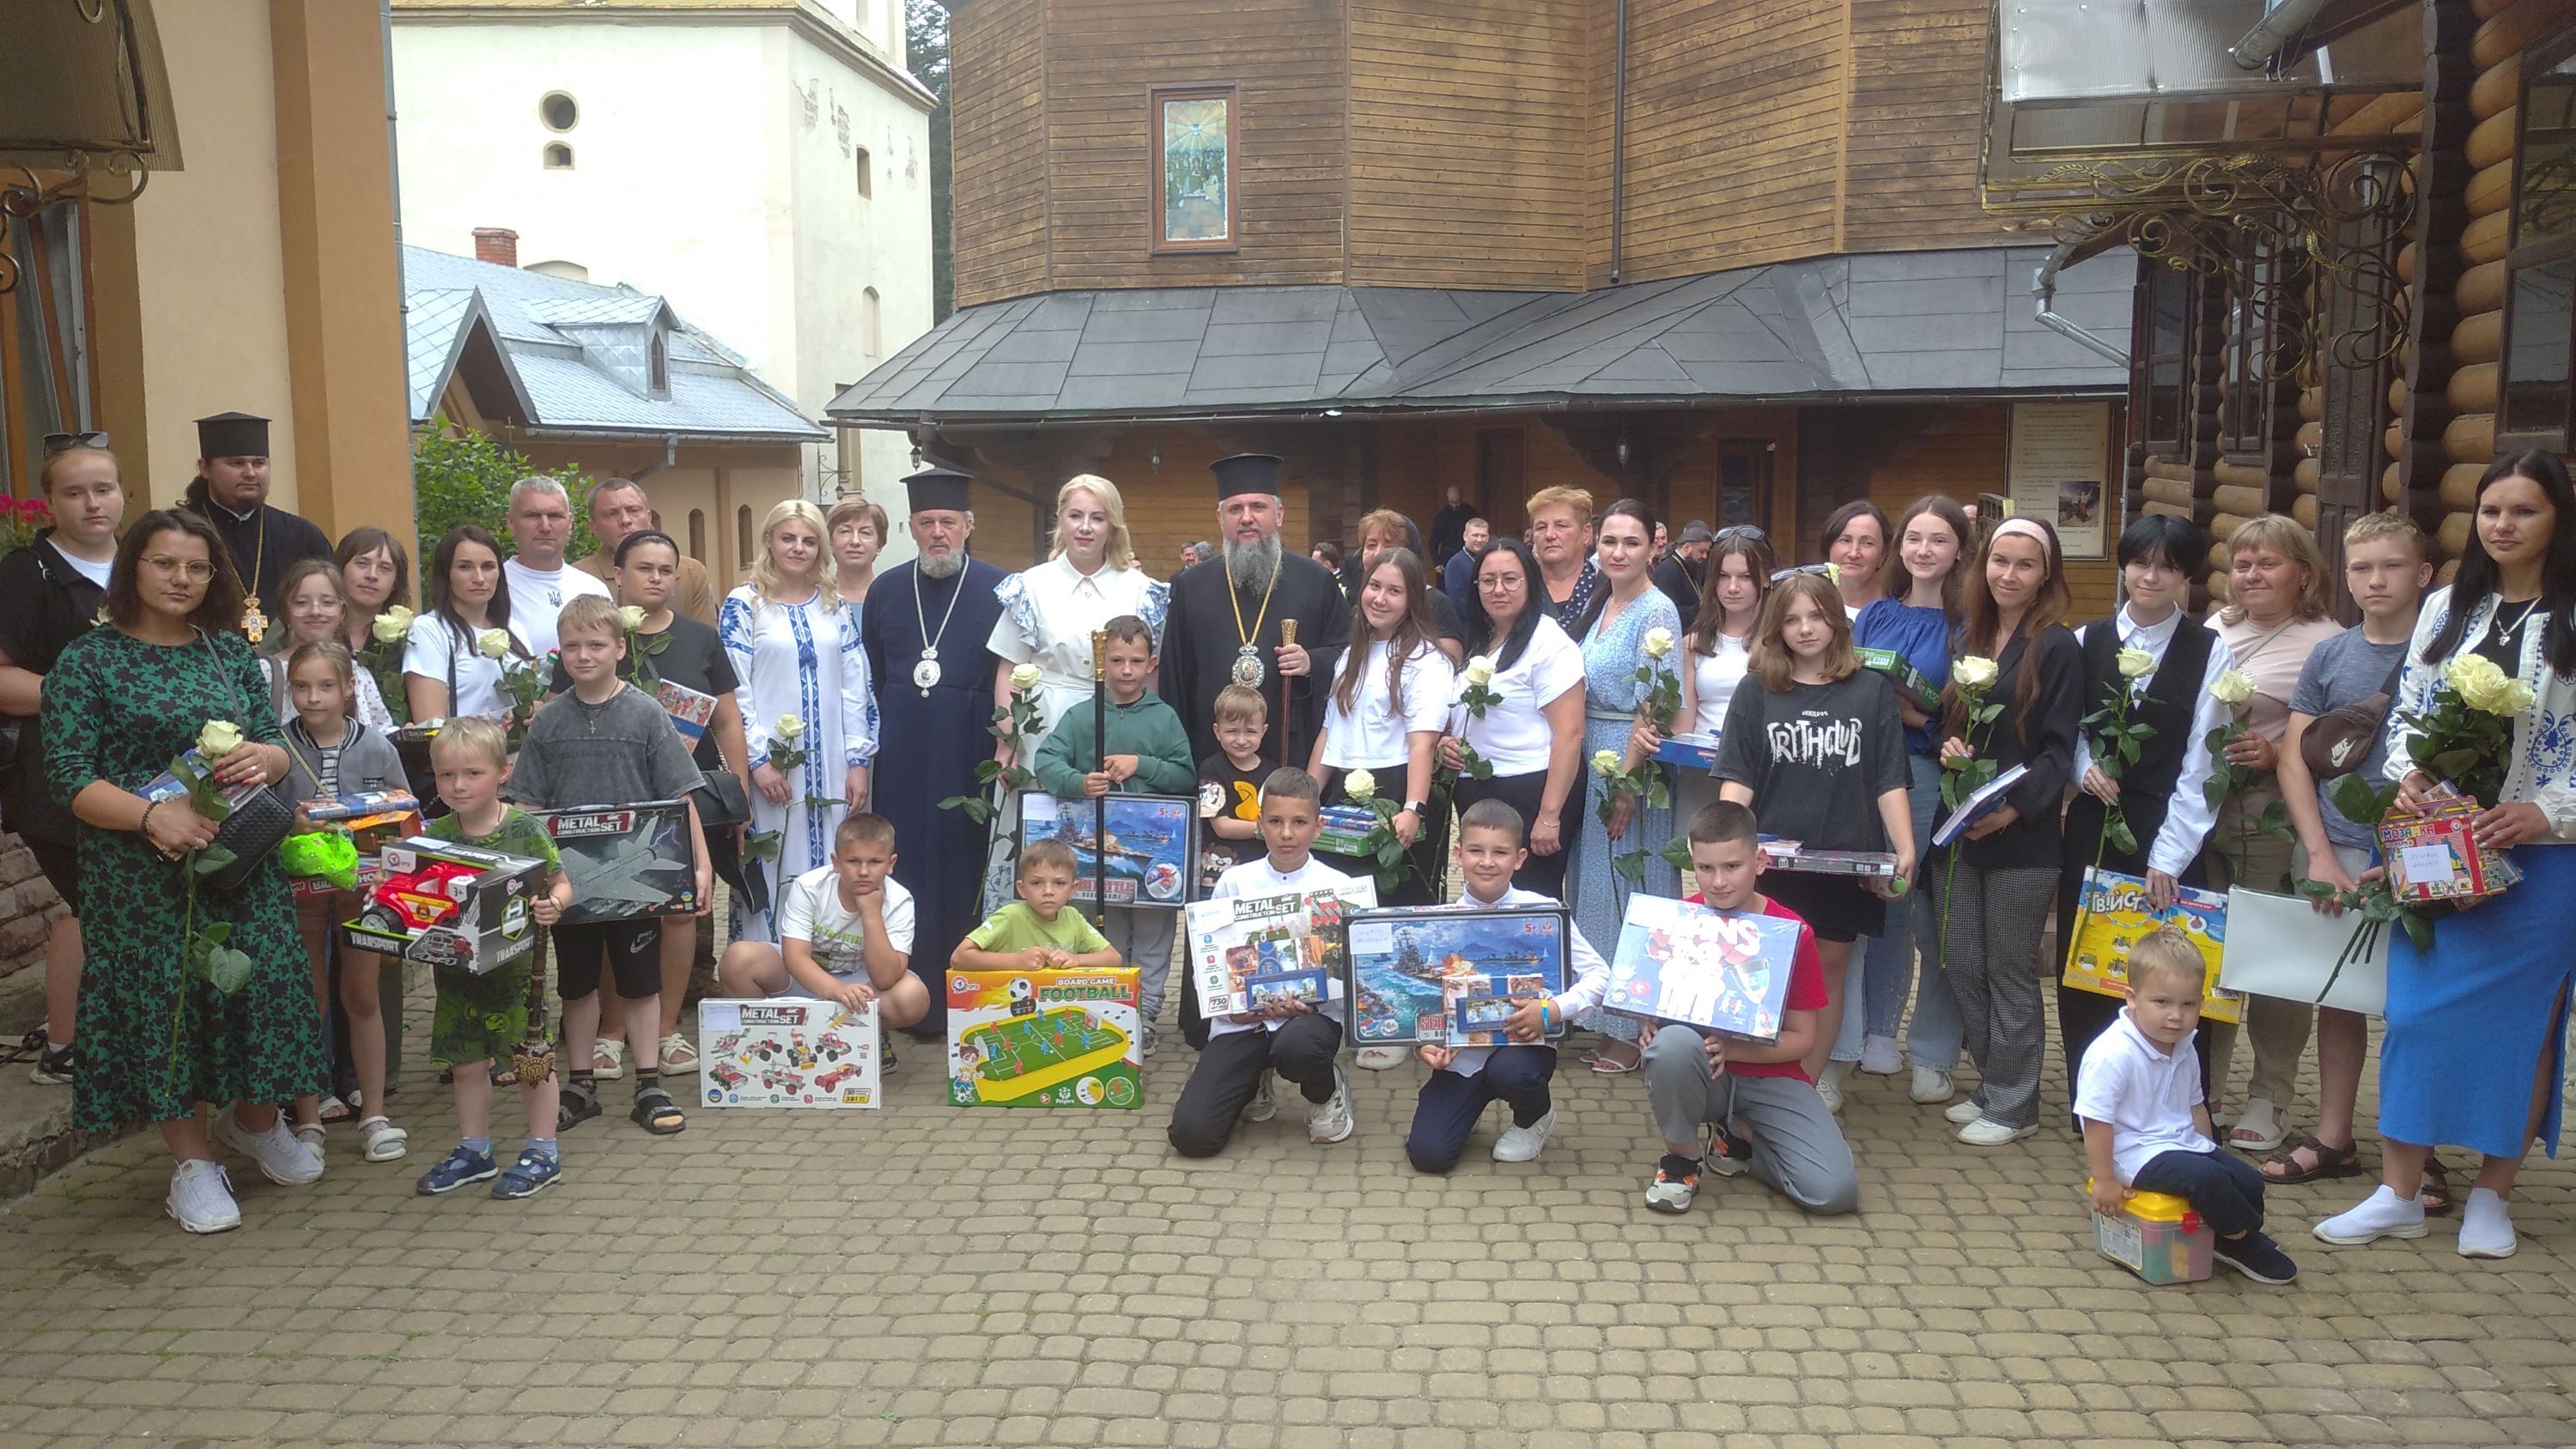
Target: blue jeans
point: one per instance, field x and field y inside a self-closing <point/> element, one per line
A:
<point x="1451" y="1105"/>
<point x="2226" y="1190"/>
<point x="1884" y="965"/>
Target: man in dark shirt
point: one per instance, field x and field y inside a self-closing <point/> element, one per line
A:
<point x="231" y="493"/>
<point x="1448" y="528"/>
<point x="1679" y="572"/>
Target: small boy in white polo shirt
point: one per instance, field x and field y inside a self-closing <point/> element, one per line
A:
<point x="2146" y="1125"/>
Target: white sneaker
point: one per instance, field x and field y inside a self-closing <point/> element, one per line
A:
<point x="1987" y="1132"/>
<point x="1330" y="1119"/>
<point x="201" y="1198"/>
<point x="1380" y="1058"/>
<point x="1265" y="1102"/>
<point x="1879" y="1056"/>
<point x="1521" y="1144"/>
<point x="2383" y="1214"/>
<point x="282" y="1159"/>
<point x="1931" y="1085"/>
<point x="1963" y="1112"/>
<point x="1830" y="1086"/>
<point x="2486" y="1225"/>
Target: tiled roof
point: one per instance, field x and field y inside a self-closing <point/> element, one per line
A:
<point x="568" y="351"/>
<point x="1940" y="323"/>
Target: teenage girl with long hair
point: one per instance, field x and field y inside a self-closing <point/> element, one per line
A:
<point x="1389" y="704"/>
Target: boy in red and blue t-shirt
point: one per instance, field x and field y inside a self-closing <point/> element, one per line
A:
<point x="1764" y="1113"/>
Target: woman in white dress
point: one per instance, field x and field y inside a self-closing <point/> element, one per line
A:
<point x="795" y="649"/>
<point x="1090" y="577"/>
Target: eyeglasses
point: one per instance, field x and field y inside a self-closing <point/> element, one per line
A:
<point x="196" y="569"/>
<point x="65" y="442"/>
<point x="1783" y="575"/>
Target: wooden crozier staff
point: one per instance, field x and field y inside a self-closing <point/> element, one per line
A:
<point x="1287" y="636"/>
<point x="1100" y="802"/>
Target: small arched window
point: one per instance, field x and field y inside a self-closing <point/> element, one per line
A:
<point x="742" y="536"/>
<point x="558" y="156"/>
<point x="657" y="365"/>
<point x="558" y="112"/>
<point x="698" y="534"/>
<point x="867" y="176"/>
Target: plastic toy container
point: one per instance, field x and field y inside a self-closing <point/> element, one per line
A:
<point x="2156" y="1236"/>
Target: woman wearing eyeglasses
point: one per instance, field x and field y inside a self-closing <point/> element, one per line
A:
<point x="1533" y="738"/>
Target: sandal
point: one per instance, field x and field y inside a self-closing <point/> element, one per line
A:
<point x="2324" y="1162"/>
<point x="678" y="1054"/>
<point x="2435" y="1194"/>
<point x="335" y="1110"/>
<point x="608" y="1059"/>
<point x="384" y="1141"/>
<point x="656" y="1113"/>
<point x="577" y="1105"/>
<point x="2258" y="1128"/>
<point x="1610" y="1066"/>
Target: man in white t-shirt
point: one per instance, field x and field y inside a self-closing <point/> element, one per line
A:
<point x="845" y="933"/>
<point x="539" y="580"/>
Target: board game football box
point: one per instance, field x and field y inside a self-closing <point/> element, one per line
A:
<point x="626" y="861"/>
<point x="1244" y="949"/>
<point x="1045" y="1038"/>
<point x="1438" y="976"/>
<point x="446" y="904"/>
<point x="2112" y="912"/>
<point x="1910" y="684"/>
<point x="1151" y="844"/>
<point x="1698" y="966"/>
<point x="787" y="1051"/>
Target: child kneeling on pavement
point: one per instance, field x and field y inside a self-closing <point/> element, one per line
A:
<point x="1763" y="1110"/>
<point x="2146" y="1125"/>
<point x="1463" y="1080"/>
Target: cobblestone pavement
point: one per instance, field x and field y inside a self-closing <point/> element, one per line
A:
<point x="925" y="1275"/>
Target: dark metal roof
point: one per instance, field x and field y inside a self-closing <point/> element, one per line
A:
<point x="1908" y="324"/>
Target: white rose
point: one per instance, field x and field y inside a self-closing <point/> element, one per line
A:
<point x="2232" y="688"/>
<point x="2136" y="664"/>
<point x="1605" y="763"/>
<point x="789" y="728"/>
<point x="1025" y="677"/>
<point x="2484" y="686"/>
<point x="631" y="616"/>
<point x="1659" y="642"/>
<point x="1974" y="672"/>
<point x="492" y="643"/>
<point x="1833" y="573"/>
<point x="391" y="625"/>
<point x="2517" y="697"/>
<point x="1359" y="785"/>
<point x="1480" y="670"/>
<point x="219" y="738"/>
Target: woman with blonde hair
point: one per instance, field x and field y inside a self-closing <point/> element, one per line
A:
<point x="2276" y="615"/>
<point x="1090" y="577"/>
<point x="803" y="690"/>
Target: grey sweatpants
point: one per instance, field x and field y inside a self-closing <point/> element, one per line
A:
<point x="1798" y="1151"/>
<point x="1993" y="920"/>
<point x="1143" y="939"/>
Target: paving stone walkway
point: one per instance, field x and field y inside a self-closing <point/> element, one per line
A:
<point x="926" y="1275"/>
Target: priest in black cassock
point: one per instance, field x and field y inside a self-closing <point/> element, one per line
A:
<point x="925" y="629"/>
<point x="1224" y="624"/>
<point x="231" y="493"/>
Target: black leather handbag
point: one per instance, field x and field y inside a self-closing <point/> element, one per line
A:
<point x="258" y="822"/>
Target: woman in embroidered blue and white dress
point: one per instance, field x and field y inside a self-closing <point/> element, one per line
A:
<point x="804" y="686"/>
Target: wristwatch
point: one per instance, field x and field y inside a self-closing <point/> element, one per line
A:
<point x="1416" y="806"/>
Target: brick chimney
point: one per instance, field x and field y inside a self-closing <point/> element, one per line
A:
<point x="496" y="244"/>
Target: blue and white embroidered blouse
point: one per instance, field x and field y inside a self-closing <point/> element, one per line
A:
<point x="2543" y="768"/>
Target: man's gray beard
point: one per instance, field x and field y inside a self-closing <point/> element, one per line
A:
<point x="943" y="565"/>
<point x="1252" y="566"/>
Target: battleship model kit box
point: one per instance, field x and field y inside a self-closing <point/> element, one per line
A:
<point x="1246" y="951"/>
<point x="626" y="861"/>
<point x="1439" y="976"/>
<point x="1150" y="844"/>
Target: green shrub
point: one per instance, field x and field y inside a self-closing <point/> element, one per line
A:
<point x="467" y="480"/>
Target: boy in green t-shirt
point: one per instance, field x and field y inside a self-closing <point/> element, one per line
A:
<point x="481" y="1019"/>
<point x="1041" y="929"/>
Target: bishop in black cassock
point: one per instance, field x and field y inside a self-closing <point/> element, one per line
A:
<point x="925" y="639"/>
<point x="264" y="541"/>
<point x="1203" y="641"/>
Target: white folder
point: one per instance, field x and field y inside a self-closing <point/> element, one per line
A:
<point x="2281" y="946"/>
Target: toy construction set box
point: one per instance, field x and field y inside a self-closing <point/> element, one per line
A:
<point x="1247" y="951"/>
<point x="452" y="905"/>
<point x="1778" y="854"/>
<point x="626" y="861"/>
<point x="1435" y="976"/>
<point x="787" y="1051"/>
<point x="1045" y="1038"/>
<point x="1150" y="844"/>
<point x="1346" y="829"/>
<point x="2113" y="912"/>
<point x="1722" y="971"/>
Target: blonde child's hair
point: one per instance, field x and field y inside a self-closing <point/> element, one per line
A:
<point x="473" y="737"/>
<point x="589" y="611"/>
<point x="2388" y="523"/>
<point x="1241" y="702"/>
<point x="862" y="827"/>
<point x="2165" y="951"/>
<point x="333" y="653"/>
<point x="1048" y="852"/>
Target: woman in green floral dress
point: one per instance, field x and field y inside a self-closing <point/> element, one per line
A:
<point x="156" y="1039"/>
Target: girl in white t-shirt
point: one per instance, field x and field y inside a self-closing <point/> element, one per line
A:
<point x="1719" y="647"/>
<point x="1532" y="738"/>
<point x="1386" y="713"/>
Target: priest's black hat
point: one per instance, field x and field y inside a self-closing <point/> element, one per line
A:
<point x="938" y="488"/>
<point x="232" y="435"/>
<point x="1246" y="473"/>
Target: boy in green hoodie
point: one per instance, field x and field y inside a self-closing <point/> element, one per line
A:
<point x="1149" y="754"/>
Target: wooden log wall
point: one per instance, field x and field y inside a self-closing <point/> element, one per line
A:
<point x="998" y="185"/>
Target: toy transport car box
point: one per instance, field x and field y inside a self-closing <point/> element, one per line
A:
<point x="2156" y="1236"/>
<point x="1151" y="844"/>
<point x="1244" y="950"/>
<point x="689" y="709"/>
<point x="1696" y="750"/>
<point x="626" y="861"/>
<point x="1723" y="971"/>
<point x="1910" y="684"/>
<point x="452" y="905"/>
<point x="788" y="1051"/>
<point x="1045" y="1038"/>
<point x="1346" y="829"/>
<point x="1778" y="854"/>
<point x="2113" y="912"/>
<point x="1439" y="976"/>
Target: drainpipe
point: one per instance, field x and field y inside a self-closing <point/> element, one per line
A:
<point x="2281" y="24"/>
<point x="2043" y="291"/>
<point x="1618" y="139"/>
<point x="670" y="456"/>
<point x="393" y="176"/>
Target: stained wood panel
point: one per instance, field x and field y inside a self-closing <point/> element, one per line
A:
<point x="997" y="139"/>
<point x="1913" y="124"/>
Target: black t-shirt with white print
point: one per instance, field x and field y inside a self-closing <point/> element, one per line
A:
<point x="1817" y="757"/>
